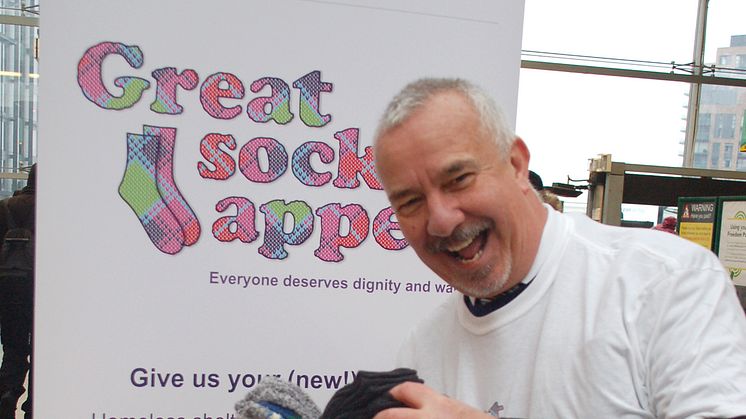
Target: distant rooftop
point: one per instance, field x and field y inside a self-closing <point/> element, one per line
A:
<point x="738" y="41"/>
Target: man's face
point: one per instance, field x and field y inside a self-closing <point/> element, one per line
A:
<point x="468" y="211"/>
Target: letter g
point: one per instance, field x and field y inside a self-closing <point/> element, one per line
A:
<point x="139" y="377"/>
<point x="92" y="85"/>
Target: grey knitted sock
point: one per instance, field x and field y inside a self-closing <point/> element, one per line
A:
<point x="273" y="396"/>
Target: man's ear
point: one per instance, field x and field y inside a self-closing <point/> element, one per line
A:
<point x="519" y="158"/>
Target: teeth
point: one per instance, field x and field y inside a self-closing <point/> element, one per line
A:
<point x="456" y="247"/>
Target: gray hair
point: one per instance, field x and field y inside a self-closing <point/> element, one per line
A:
<point x="416" y="94"/>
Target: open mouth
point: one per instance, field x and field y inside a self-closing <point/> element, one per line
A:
<point x="469" y="250"/>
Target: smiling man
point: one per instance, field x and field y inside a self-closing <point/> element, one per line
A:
<point x="558" y="316"/>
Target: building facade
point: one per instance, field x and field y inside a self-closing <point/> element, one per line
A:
<point x="720" y="141"/>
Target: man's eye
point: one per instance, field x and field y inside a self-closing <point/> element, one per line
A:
<point x="407" y="205"/>
<point x="461" y="179"/>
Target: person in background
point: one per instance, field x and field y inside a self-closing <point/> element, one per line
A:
<point x="17" y="219"/>
<point x="557" y="316"/>
<point x="668" y="225"/>
<point x="544" y="194"/>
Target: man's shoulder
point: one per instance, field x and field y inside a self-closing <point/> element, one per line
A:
<point x="642" y="244"/>
<point x="639" y="267"/>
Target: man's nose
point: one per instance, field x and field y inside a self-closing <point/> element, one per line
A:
<point x="444" y="216"/>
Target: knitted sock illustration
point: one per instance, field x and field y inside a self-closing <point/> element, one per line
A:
<point x="167" y="188"/>
<point x="139" y="191"/>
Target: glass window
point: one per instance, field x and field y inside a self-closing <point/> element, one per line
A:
<point x="18" y="91"/>
<point x="722" y="112"/>
<point x="18" y="95"/>
<point x="725" y="125"/>
<point x="741" y="164"/>
<point x="700" y="158"/>
<point x="715" y="155"/>
<point x="741" y="61"/>
<point x="568" y="118"/>
<point x="629" y="29"/>
<point x="702" y="140"/>
<point x="701" y="147"/>
<point x="726" y="36"/>
<point x="727" y="155"/>
<point x="718" y="95"/>
<point x="599" y="35"/>
<point x="703" y="128"/>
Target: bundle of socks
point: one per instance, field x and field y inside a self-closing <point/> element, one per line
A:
<point x="273" y="398"/>
<point x="367" y="395"/>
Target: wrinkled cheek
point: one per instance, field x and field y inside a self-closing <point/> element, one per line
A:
<point x="413" y="233"/>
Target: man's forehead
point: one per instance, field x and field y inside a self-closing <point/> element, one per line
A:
<point x="442" y="136"/>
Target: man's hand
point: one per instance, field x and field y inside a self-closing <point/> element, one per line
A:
<point x="425" y="403"/>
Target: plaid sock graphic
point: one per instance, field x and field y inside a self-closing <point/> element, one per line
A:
<point x="138" y="189"/>
<point x="167" y="187"/>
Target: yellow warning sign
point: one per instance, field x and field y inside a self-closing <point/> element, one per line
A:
<point x="700" y="233"/>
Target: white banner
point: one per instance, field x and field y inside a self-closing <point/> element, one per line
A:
<point x="208" y="209"/>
